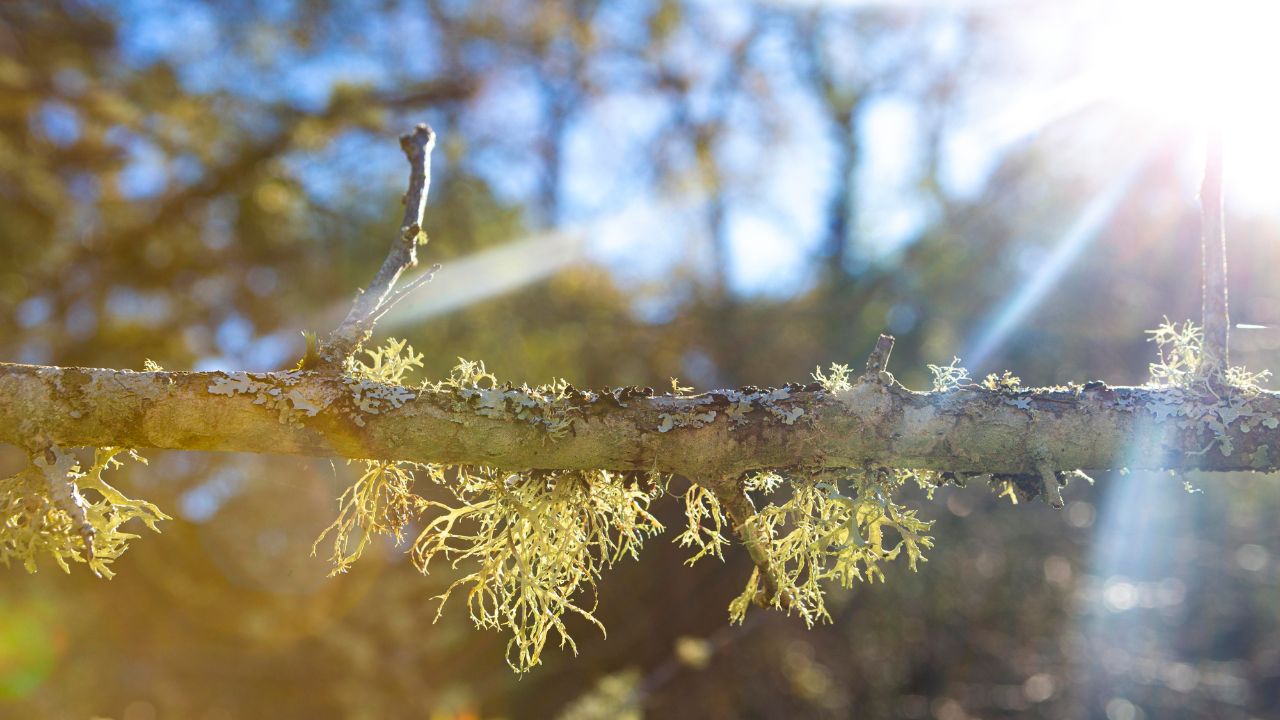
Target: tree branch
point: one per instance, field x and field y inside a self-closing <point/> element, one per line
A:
<point x="379" y="296"/>
<point x="1213" y="248"/>
<point x="703" y="437"/>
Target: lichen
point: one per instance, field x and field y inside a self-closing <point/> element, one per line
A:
<point x="1202" y="399"/>
<point x="1005" y="382"/>
<point x="532" y="547"/>
<point x="834" y="380"/>
<point x="694" y="413"/>
<point x="820" y="535"/>
<point x="689" y="418"/>
<point x="1180" y="362"/>
<point x="705" y="524"/>
<point x="949" y="377"/>
<point x="380" y="503"/>
<point x="283" y="393"/>
<point x="552" y="406"/>
<point x="86" y="530"/>
<point x="531" y="544"/>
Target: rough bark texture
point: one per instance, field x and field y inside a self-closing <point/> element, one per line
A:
<point x="714" y="435"/>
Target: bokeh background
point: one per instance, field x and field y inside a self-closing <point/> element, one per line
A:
<point x="628" y="190"/>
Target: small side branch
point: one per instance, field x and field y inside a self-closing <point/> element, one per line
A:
<point x="878" y="362"/>
<point x="738" y="506"/>
<point x="1050" y="489"/>
<point x="381" y="294"/>
<point x="59" y="469"/>
<point x="1213" y="246"/>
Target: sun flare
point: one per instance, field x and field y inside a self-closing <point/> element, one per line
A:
<point x="1199" y="64"/>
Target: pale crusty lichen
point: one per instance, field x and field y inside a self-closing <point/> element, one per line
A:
<point x="685" y="418"/>
<point x="283" y="393"/>
<point x="1199" y="401"/>
<point x="552" y="406"/>
<point x="693" y="413"/>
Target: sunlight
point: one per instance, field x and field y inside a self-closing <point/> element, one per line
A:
<point x="1026" y="296"/>
<point x="1206" y="63"/>
<point x="1193" y="58"/>
<point x="490" y="273"/>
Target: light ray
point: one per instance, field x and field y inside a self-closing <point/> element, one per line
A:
<point x="1129" y="612"/>
<point x="490" y="273"/>
<point x="1021" y="301"/>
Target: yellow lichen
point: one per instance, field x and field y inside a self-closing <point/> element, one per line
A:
<point x="836" y="379"/>
<point x="1180" y="351"/>
<point x="705" y="529"/>
<point x="381" y="502"/>
<point x="35" y="525"/>
<point x="532" y="547"/>
<point x="820" y="535"/>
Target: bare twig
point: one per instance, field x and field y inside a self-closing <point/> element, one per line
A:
<point x="1050" y="490"/>
<point x="376" y="299"/>
<point x="1213" y="247"/>
<point x="878" y="361"/>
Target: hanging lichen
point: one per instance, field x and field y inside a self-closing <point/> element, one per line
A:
<point x="70" y="514"/>
<point x="819" y="535"/>
<point x="532" y="546"/>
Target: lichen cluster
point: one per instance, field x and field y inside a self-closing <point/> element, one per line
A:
<point x="547" y="406"/>
<point x="530" y="546"/>
<point x="1202" y="398"/>
<point x="534" y="546"/>
<point x="60" y="510"/>
<point x="821" y="535"/>
<point x="1180" y="361"/>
